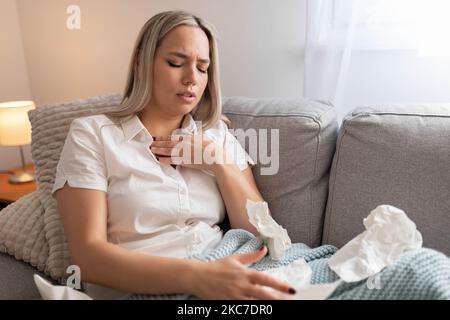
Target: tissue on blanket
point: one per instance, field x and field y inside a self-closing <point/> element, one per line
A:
<point x="389" y="232"/>
<point x="298" y="274"/>
<point x="275" y="235"/>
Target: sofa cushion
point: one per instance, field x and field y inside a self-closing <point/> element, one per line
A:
<point x="397" y="155"/>
<point x="16" y="279"/>
<point x="297" y="192"/>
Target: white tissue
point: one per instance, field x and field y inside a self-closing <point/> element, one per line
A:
<point x="52" y="292"/>
<point x="389" y="232"/>
<point x="298" y="275"/>
<point x="275" y="235"/>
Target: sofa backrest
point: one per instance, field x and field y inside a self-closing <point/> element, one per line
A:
<point x="307" y="130"/>
<point x="397" y="155"/>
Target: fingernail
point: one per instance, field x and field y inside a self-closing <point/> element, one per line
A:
<point x="261" y="249"/>
<point x="292" y="291"/>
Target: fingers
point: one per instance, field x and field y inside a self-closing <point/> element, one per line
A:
<point x="263" y="279"/>
<point x="166" y="143"/>
<point x="261" y="293"/>
<point x="161" y="151"/>
<point x="174" y="138"/>
<point x="167" y="146"/>
<point x="170" y="160"/>
<point x="167" y="150"/>
<point x="251" y="257"/>
<point x="230" y="279"/>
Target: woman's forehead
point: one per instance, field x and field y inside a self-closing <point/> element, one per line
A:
<point x="186" y="41"/>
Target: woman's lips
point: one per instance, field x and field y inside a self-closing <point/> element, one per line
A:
<point x="185" y="98"/>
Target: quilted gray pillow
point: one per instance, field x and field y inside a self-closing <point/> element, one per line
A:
<point x="30" y="229"/>
<point x="21" y="231"/>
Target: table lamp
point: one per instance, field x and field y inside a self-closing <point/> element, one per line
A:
<point x="15" y="130"/>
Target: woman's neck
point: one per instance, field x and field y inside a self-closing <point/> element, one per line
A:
<point x="159" y="124"/>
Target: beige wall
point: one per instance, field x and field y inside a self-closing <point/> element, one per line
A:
<point x="261" y="45"/>
<point x="14" y="83"/>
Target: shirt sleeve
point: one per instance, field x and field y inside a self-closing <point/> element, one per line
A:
<point x="82" y="161"/>
<point x="235" y="150"/>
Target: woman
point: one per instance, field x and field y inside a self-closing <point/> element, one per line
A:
<point x="133" y="203"/>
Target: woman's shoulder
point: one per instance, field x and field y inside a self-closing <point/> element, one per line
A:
<point x="220" y="125"/>
<point x="217" y="130"/>
<point x="96" y="121"/>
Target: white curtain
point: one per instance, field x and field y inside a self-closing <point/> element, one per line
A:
<point x="363" y="52"/>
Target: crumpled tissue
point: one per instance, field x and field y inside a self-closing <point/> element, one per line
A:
<point x="275" y="236"/>
<point x="52" y="292"/>
<point x="389" y="232"/>
<point x="298" y="275"/>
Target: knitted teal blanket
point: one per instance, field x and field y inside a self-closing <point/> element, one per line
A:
<point x="419" y="274"/>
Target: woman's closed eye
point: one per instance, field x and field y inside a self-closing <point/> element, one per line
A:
<point x="179" y="66"/>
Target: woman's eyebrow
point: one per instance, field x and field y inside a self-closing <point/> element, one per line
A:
<point x="184" y="56"/>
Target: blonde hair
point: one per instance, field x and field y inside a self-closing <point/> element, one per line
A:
<point x="138" y="89"/>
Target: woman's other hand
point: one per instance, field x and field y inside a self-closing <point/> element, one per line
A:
<point x="229" y="278"/>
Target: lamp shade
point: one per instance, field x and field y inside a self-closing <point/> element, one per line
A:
<point x="15" y="128"/>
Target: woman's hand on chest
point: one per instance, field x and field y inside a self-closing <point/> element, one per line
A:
<point x="193" y="151"/>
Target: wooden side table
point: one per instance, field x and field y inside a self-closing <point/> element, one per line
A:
<point x="10" y="192"/>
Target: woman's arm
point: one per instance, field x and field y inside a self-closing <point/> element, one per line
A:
<point x="236" y="187"/>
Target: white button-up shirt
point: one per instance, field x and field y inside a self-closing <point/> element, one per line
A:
<point x="154" y="209"/>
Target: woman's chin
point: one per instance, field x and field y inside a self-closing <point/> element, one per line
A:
<point x="185" y="107"/>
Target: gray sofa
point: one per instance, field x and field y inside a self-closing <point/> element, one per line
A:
<point x="330" y="177"/>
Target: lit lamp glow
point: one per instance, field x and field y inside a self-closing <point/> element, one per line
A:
<point x="15" y="130"/>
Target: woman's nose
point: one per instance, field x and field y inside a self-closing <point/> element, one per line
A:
<point x="190" y="77"/>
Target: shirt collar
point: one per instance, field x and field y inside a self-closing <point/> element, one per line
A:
<point x="132" y="126"/>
